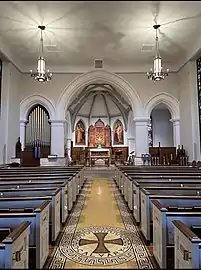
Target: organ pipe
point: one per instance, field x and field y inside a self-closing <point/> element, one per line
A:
<point x="38" y="127"/>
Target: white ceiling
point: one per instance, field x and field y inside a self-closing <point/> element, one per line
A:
<point x="99" y="100"/>
<point x="99" y="105"/>
<point x="81" y="31"/>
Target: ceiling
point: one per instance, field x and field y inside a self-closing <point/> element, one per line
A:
<point x="99" y="101"/>
<point x="99" y="105"/>
<point x="77" y="32"/>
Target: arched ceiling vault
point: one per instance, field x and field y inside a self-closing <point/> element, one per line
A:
<point x="99" y="100"/>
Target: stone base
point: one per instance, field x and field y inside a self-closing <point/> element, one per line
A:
<point x="59" y="161"/>
<point x="13" y="159"/>
<point x="139" y="162"/>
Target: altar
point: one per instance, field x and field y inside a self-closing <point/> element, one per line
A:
<point x="99" y="154"/>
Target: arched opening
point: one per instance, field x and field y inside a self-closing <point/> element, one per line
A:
<point x="160" y="127"/>
<point x="38" y="129"/>
<point x="99" y="103"/>
<point x="98" y="94"/>
<point x="80" y="133"/>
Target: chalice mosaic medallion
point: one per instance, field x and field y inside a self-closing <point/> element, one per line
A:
<point x="100" y="246"/>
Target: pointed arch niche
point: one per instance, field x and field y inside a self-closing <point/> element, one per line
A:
<point x="80" y="133"/>
<point x="118" y="133"/>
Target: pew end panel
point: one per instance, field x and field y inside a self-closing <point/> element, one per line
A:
<point x="145" y="215"/>
<point x="42" y="234"/>
<point x="159" y="233"/>
<point x="130" y="194"/>
<point x="163" y="222"/>
<point x="36" y="243"/>
<point x="136" y="202"/>
<point x="187" y="247"/>
<point x="14" y="249"/>
<point x="56" y="205"/>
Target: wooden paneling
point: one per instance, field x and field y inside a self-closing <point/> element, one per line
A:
<point x="118" y="154"/>
<point x="168" y="152"/>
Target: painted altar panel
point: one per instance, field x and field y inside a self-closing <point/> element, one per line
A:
<point x="118" y="132"/>
<point x="80" y="138"/>
<point x="99" y="134"/>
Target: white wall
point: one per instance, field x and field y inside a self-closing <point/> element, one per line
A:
<point x="10" y="111"/>
<point x="51" y="90"/>
<point x="144" y="87"/>
<point x="162" y="128"/>
<point x="189" y="128"/>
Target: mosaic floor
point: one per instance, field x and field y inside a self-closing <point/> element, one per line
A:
<point x="100" y="232"/>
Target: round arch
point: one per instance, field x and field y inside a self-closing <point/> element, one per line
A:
<point x="171" y="102"/>
<point x="27" y="103"/>
<point x="97" y="76"/>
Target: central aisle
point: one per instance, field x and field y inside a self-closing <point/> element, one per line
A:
<point x="100" y="232"/>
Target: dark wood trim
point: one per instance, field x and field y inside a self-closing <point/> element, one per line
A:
<point x="186" y="231"/>
<point x="16" y="233"/>
<point x="159" y="205"/>
<point x="42" y="206"/>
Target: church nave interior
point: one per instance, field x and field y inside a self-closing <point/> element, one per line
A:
<point x="100" y="134"/>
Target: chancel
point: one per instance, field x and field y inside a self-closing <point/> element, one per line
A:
<point x="100" y="134"/>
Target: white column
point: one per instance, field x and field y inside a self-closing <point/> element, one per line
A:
<point x="131" y="144"/>
<point x="22" y="133"/>
<point x="141" y="138"/>
<point x="68" y="146"/>
<point x="176" y="131"/>
<point x="57" y="137"/>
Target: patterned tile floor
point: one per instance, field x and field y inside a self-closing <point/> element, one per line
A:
<point x="100" y="233"/>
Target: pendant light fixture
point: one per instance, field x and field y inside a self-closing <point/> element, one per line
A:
<point x="157" y="73"/>
<point x="41" y="75"/>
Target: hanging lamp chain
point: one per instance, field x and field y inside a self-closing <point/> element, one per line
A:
<point x="157" y="44"/>
<point x="41" y="40"/>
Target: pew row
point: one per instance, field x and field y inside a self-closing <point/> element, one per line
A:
<point x="187" y="244"/>
<point x="135" y="188"/>
<point x="14" y="243"/>
<point x="170" y="197"/>
<point x="68" y="186"/>
<point x="28" y="195"/>
<point x="38" y="188"/>
<point x="164" y="212"/>
<point x="38" y="229"/>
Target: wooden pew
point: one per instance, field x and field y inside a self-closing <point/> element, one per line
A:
<point x="147" y="195"/>
<point x="187" y="244"/>
<point x="134" y="192"/>
<point x="163" y="228"/>
<point x="28" y="195"/>
<point x="14" y="242"/>
<point x="149" y="170"/>
<point x="154" y="168"/>
<point x="72" y="183"/>
<point x="79" y="173"/>
<point x="39" y="226"/>
<point x="65" y="186"/>
<point x="68" y="187"/>
<point x="42" y="185"/>
<point x="123" y="181"/>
